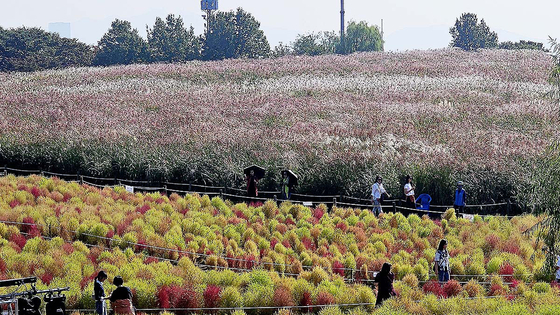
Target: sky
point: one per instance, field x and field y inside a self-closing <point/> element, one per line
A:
<point x="407" y="24"/>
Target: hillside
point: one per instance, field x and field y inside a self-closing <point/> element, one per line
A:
<point x="441" y="115"/>
<point x="192" y="251"/>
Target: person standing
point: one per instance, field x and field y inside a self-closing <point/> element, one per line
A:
<point x="252" y="182"/>
<point x="121" y="298"/>
<point x="286" y="186"/>
<point x="377" y="190"/>
<point x="409" y="192"/>
<point x="460" y="198"/>
<point x="385" y="284"/>
<point x="558" y="270"/>
<point x="441" y="262"/>
<point x="99" y="293"/>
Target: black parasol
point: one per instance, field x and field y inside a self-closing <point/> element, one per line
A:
<point x="293" y="177"/>
<point x="259" y="171"/>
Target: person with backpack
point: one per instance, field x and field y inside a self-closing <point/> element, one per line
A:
<point x="441" y="262"/>
<point x="121" y="298"/>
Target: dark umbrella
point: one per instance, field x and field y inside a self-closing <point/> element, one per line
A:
<point x="293" y="177"/>
<point x="259" y="171"/>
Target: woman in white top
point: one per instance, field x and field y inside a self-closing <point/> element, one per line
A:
<point x="376" y="191"/>
<point x="409" y="192"/>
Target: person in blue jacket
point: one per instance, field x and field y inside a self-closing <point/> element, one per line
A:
<point x="460" y="198"/>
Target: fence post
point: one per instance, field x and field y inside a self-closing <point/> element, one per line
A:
<point x="221" y="194"/>
<point x="334" y="202"/>
<point x="42" y="173"/>
<point x="508" y="208"/>
<point x="394" y="207"/>
<point x="190" y="187"/>
<point x="165" y="188"/>
<point x="81" y="179"/>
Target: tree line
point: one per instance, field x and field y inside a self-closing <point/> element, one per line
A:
<point x="470" y="34"/>
<point x="233" y="34"/>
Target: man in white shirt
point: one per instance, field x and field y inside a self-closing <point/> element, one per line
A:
<point x="376" y="191"/>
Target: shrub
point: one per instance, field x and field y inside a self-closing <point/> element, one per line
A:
<point x="231" y="297"/>
<point x="473" y="288"/>
<point x="433" y="287"/>
<point x="452" y="288"/>
<point x="283" y="297"/>
<point x="324" y="298"/>
<point x="541" y="287"/>
<point x="212" y="296"/>
<point x="411" y="280"/>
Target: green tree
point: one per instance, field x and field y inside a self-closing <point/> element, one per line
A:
<point x="542" y="193"/>
<point x="469" y="34"/>
<point x="314" y="44"/>
<point x="362" y="37"/>
<point x="234" y="35"/>
<point x="522" y="44"/>
<point x="170" y="41"/>
<point x="121" y="45"/>
<point x="32" y="49"/>
<point x="282" y="50"/>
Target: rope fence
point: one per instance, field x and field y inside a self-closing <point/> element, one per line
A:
<point x="254" y="263"/>
<point x="329" y="200"/>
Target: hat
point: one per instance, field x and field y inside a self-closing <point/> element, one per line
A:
<point x="460" y="183"/>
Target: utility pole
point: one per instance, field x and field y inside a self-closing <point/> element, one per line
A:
<point x="382" y="40"/>
<point x="342" y="39"/>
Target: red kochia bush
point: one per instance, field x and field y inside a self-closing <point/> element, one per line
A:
<point x="452" y="288"/>
<point x="507" y="270"/>
<point x="338" y="268"/>
<point x="283" y="297"/>
<point x="324" y="298"/>
<point x="174" y="296"/>
<point x="212" y="296"/>
<point x="433" y="287"/>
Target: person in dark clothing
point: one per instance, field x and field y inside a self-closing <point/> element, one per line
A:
<point x="252" y="182"/>
<point x="121" y="298"/>
<point x="385" y="284"/>
<point x="99" y="293"/>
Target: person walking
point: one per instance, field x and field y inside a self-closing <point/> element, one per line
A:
<point x="121" y="298"/>
<point x="99" y="293"/>
<point x="377" y="190"/>
<point x="385" y="280"/>
<point x="441" y="262"/>
<point x="460" y="198"/>
<point x="409" y="192"/>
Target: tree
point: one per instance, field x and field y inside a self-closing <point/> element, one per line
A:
<point x="170" y="41"/>
<point x="32" y="49"/>
<point x="522" y="44"/>
<point x="542" y="193"/>
<point x="314" y="44"/>
<point x="234" y="35"/>
<point x="468" y="34"/>
<point x="121" y="45"/>
<point x="362" y="37"/>
<point x="282" y="50"/>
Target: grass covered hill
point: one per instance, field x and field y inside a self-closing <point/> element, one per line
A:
<point x="441" y="115"/>
<point x="192" y="251"/>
